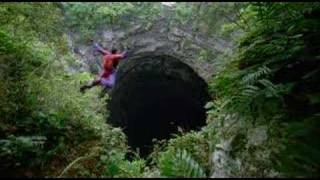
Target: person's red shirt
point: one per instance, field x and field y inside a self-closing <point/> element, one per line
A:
<point x="109" y="61"/>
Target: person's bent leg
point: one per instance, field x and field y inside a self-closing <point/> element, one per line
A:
<point x="90" y="85"/>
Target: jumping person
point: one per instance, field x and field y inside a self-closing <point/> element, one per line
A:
<point x="110" y="61"/>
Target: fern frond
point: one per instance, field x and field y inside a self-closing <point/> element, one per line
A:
<point x="180" y="164"/>
<point x="253" y="77"/>
<point x="271" y="89"/>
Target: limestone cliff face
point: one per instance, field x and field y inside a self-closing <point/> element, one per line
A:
<point x="161" y="37"/>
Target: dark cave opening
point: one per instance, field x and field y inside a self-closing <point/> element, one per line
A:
<point x="153" y="96"/>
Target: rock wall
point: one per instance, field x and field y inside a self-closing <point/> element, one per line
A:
<point x="161" y="37"/>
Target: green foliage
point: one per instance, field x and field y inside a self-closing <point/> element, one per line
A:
<point x="21" y="151"/>
<point x="146" y="11"/>
<point x="81" y="14"/>
<point x="179" y="163"/>
<point x="218" y="16"/>
<point x="115" y="165"/>
<point x="87" y="18"/>
<point x="206" y="55"/>
<point x="302" y="149"/>
<point x="270" y="79"/>
<point x="196" y="143"/>
<point x="251" y="82"/>
<point x="184" y="12"/>
<point x="108" y="159"/>
<point x="26" y="20"/>
<point x="257" y="85"/>
<point x="43" y="100"/>
<point x="186" y="155"/>
<point x="105" y="157"/>
<point x="39" y="98"/>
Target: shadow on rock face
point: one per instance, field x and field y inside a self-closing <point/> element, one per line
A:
<point x="153" y="96"/>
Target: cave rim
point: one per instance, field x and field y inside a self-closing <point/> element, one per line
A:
<point x="173" y="56"/>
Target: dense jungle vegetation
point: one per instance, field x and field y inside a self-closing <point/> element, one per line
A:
<point x="264" y="112"/>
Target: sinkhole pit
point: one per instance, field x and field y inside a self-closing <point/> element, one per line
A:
<point x="153" y="95"/>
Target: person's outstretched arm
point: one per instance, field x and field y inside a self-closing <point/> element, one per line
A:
<point x="122" y="55"/>
<point x="100" y="49"/>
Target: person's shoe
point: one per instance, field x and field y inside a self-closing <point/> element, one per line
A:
<point x="82" y="89"/>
